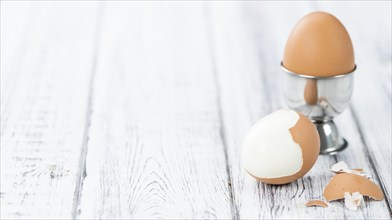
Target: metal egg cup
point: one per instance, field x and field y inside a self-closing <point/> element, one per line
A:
<point x="331" y="97"/>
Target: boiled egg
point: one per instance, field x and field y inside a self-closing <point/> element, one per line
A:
<point x="319" y="45"/>
<point x="280" y="147"/>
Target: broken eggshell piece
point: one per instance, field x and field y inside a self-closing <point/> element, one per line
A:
<point x="316" y="203"/>
<point x="348" y="182"/>
<point x="353" y="201"/>
<point x="341" y="167"/>
<point x="281" y="147"/>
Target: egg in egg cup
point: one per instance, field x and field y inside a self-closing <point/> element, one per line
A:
<point x="319" y="64"/>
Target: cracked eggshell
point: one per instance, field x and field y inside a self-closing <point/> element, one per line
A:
<point x="348" y="182"/>
<point x="353" y="201"/>
<point x="341" y="167"/>
<point x="281" y="147"/>
<point x="316" y="203"/>
<point x="319" y="45"/>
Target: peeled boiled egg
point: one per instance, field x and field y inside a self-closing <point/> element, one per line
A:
<point x="280" y="147"/>
<point x="319" y="45"/>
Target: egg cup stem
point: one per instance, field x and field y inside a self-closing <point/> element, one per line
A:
<point x="330" y="141"/>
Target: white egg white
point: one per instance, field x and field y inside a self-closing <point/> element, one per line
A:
<point x="269" y="150"/>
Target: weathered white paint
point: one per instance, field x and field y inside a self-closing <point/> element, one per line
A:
<point x="46" y="63"/>
<point x="175" y="87"/>
<point x="154" y="148"/>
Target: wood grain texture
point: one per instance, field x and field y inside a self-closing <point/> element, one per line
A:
<point x="45" y="70"/>
<point x="155" y="149"/>
<point x="248" y="47"/>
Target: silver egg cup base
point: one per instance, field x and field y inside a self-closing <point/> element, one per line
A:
<point x="330" y="141"/>
<point x="330" y="95"/>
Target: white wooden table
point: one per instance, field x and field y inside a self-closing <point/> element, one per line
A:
<point x="138" y="109"/>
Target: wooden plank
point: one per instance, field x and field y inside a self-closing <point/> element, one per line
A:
<point x="370" y="28"/>
<point x="46" y="63"/>
<point x="154" y="148"/>
<point x="249" y="40"/>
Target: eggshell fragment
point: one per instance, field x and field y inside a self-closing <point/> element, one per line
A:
<point x="353" y="201"/>
<point x="348" y="182"/>
<point x="316" y="203"/>
<point x="358" y="169"/>
<point x="358" y="199"/>
<point x="341" y="167"/>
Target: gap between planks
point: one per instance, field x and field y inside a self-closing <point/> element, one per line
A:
<point x="81" y="173"/>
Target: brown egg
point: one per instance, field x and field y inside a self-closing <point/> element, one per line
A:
<point x="281" y="147"/>
<point x="319" y="45"/>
